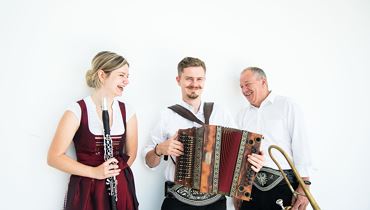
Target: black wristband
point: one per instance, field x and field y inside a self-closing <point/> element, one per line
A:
<point x="155" y="151"/>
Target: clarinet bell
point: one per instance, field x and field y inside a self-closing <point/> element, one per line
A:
<point x="280" y="203"/>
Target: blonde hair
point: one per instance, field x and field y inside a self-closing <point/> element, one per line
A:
<point x="106" y="61"/>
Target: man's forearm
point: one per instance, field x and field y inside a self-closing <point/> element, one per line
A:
<point x="151" y="159"/>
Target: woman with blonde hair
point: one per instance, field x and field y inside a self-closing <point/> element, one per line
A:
<point x="82" y="124"/>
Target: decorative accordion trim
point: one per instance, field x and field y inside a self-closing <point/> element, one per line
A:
<point x="216" y="168"/>
<point x="193" y="197"/>
<point x="239" y="162"/>
<point x="198" y="157"/>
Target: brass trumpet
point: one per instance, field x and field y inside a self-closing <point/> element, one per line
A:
<point x="279" y="202"/>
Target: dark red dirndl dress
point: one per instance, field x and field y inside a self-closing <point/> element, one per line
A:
<point x="86" y="193"/>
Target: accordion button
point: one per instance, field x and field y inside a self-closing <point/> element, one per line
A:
<point x="258" y="139"/>
<point x="250" y="141"/>
<point x="241" y="188"/>
<point x="254" y="150"/>
<point x="247" y="194"/>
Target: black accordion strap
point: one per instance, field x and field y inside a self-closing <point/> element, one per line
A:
<point x="207" y="110"/>
<point x="185" y="113"/>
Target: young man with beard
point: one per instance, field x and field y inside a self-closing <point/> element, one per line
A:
<point x="280" y="121"/>
<point x="191" y="78"/>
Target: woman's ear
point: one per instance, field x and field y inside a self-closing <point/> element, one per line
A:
<point x="101" y="76"/>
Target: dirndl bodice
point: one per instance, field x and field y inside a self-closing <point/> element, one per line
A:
<point x="86" y="193"/>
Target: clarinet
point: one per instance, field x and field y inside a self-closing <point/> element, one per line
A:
<point x="108" y="153"/>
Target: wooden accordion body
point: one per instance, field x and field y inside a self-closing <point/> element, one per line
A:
<point x="215" y="160"/>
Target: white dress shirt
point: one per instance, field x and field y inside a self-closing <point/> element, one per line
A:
<point x="170" y="122"/>
<point x="281" y="122"/>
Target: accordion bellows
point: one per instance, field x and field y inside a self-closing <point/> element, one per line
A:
<point x="215" y="160"/>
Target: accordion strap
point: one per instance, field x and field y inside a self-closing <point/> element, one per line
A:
<point x="185" y="113"/>
<point x="207" y="110"/>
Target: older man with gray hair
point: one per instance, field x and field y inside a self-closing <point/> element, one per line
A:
<point x="280" y="120"/>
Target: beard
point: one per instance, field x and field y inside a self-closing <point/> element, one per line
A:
<point x="193" y="95"/>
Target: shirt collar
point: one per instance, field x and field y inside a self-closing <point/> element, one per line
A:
<point x="190" y="107"/>
<point x="268" y="100"/>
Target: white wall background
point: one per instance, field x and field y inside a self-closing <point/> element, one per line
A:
<point x="316" y="52"/>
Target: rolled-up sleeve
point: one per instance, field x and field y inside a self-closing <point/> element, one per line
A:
<point x="157" y="136"/>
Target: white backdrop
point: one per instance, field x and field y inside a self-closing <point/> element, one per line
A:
<point x="316" y="52"/>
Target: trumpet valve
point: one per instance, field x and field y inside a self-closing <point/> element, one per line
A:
<point x="280" y="203"/>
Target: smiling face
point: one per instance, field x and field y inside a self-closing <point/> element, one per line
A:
<point x="191" y="81"/>
<point x="114" y="83"/>
<point x="253" y="87"/>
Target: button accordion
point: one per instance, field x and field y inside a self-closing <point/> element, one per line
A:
<point x="215" y="160"/>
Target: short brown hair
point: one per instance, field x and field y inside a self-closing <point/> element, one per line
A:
<point x="190" y="62"/>
<point x="106" y="61"/>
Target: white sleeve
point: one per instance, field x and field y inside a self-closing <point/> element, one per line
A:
<point x="300" y="145"/>
<point x="157" y="135"/>
<point x="130" y="111"/>
<point x="76" y="110"/>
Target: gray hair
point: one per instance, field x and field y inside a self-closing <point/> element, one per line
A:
<point x="257" y="71"/>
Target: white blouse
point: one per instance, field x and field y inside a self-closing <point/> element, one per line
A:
<point x="94" y="122"/>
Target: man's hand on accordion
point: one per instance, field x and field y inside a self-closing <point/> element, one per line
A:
<point x="257" y="161"/>
<point x="237" y="203"/>
<point x="171" y="146"/>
